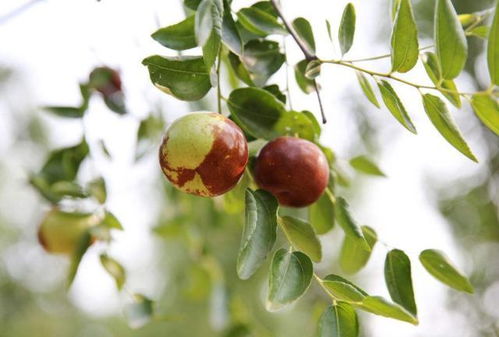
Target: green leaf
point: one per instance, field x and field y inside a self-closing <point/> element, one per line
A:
<point x="337" y="278"/>
<point x="329" y="31"/>
<point x="256" y="111"/>
<point x="480" y="31"/>
<point x="179" y="36"/>
<point x="367" y="89"/>
<point x="97" y="189"/>
<point x="140" y="312"/>
<point x="184" y="77"/>
<point x="64" y="164"/>
<point x="148" y="134"/>
<point x="208" y="28"/>
<point x="347" y="28"/>
<point x="432" y="67"/>
<point x="399" y="280"/>
<point x="274" y="90"/>
<point x="259" y="232"/>
<point x="405" y="46"/>
<point x="487" y="109"/>
<point x="116" y="103"/>
<point x="304" y="30"/>
<point x="380" y="306"/>
<point x="313" y="69"/>
<point x="240" y="69"/>
<point x="262" y="59"/>
<point x="394" y="5"/>
<point x="115" y="269"/>
<point x="66" y="111"/>
<point x="442" y="120"/>
<point x="394" y="104"/>
<point x="110" y="221"/>
<point x="83" y="244"/>
<point x="321" y="214"/>
<point x="348" y="224"/>
<point x="365" y="165"/>
<point x="259" y="22"/>
<point x="302" y="236"/>
<point x="493" y="48"/>
<point x="210" y="53"/>
<point x="290" y="276"/>
<point x="265" y="6"/>
<point x="450" y="40"/>
<point x="104" y="149"/>
<point x="73" y="112"/>
<point x="208" y="20"/>
<point x="440" y="267"/>
<point x="192" y="4"/>
<point x="68" y="189"/>
<point x="343" y="291"/>
<point x="230" y="34"/>
<point x="305" y="84"/>
<point x="338" y="320"/>
<point x="353" y="255"/>
<point x="300" y="124"/>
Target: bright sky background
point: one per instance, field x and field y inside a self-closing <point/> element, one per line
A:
<point x="56" y="43"/>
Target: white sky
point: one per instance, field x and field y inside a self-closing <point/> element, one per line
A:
<point x="57" y="42"/>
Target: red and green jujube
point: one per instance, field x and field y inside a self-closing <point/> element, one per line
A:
<point x="203" y="154"/>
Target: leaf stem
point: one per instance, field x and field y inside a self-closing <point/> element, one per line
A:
<point x="321" y="107"/>
<point x="380" y="57"/>
<point x="395" y="78"/>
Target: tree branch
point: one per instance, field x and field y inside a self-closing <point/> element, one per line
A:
<point x="308" y="55"/>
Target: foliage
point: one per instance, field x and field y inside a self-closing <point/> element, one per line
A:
<point x="245" y="45"/>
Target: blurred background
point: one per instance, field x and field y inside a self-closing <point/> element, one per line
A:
<point x="172" y="245"/>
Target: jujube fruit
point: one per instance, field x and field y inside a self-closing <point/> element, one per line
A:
<point x="105" y="80"/>
<point x="294" y="170"/>
<point x="60" y="232"/>
<point x="203" y="154"/>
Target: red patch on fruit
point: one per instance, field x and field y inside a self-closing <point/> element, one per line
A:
<point x="225" y="163"/>
<point x="294" y="170"/>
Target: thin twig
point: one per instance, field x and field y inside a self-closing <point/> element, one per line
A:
<point x="308" y="55"/>
<point x="17" y="11"/>
<point x="287" y="73"/>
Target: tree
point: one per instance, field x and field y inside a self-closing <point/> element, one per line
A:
<point x="245" y="46"/>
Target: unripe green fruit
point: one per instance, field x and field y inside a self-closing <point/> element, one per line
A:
<point x="203" y="154"/>
<point x="60" y="232"/>
<point x="294" y="170"/>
